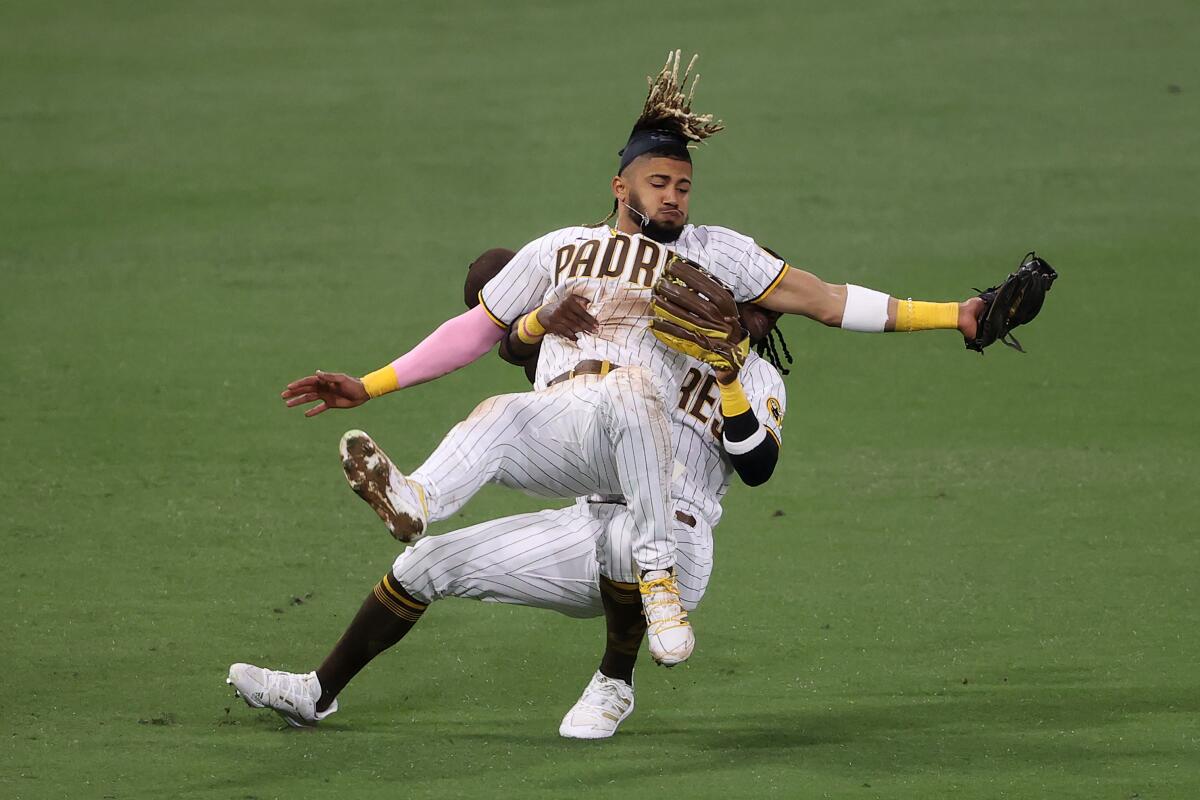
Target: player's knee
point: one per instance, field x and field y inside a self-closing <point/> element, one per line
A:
<point x="488" y="407"/>
<point x="500" y="408"/>
<point x="411" y="570"/>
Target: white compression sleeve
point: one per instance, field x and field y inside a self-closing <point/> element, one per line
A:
<point x="866" y="309"/>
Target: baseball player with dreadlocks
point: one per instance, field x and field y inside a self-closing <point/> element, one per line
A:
<point x="553" y="559"/>
<point x="596" y="421"/>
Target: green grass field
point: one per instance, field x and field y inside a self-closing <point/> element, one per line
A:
<point x="971" y="577"/>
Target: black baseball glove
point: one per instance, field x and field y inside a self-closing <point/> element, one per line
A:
<point x="1014" y="302"/>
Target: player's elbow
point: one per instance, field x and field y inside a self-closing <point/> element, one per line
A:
<point x="822" y="307"/>
<point x="830" y="305"/>
<point x="804" y="293"/>
<point x="756" y="467"/>
<point x="831" y="317"/>
<point x="756" y="474"/>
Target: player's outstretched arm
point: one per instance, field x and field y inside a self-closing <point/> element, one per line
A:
<point x="456" y="343"/>
<point x="332" y="389"/>
<point x="861" y="309"/>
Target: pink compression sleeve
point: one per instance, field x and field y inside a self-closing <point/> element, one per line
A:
<point x="456" y="343"/>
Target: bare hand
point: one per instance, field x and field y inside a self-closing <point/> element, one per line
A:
<point x="333" y="389"/>
<point x="568" y="317"/>
<point x="968" y="316"/>
<point x="726" y="376"/>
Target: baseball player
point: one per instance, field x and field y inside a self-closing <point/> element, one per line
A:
<point x="596" y="420"/>
<point x="556" y="559"/>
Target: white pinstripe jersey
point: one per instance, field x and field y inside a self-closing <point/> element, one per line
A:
<point x="614" y="272"/>
<point x="703" y="471"/>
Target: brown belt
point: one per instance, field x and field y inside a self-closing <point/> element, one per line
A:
<point x="589" y="367"/>
<point x="605" y="499"/>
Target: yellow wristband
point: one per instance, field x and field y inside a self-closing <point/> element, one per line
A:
<point x="733" y="398"/>
<point x="381" y="381"/>
<point x="915" y="315"/>
<point x="529" y="329"/>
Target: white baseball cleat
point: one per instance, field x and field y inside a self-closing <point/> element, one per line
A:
<point x="669" y="635"/>
<point x="399" y="501"/>
<point x="604" y="704"/>
<point x="294" y="697"/>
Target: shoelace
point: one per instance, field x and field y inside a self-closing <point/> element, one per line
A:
<point x="604" y="693"/>
<point x="663" y="603"/>
<point x="289" y="687"/>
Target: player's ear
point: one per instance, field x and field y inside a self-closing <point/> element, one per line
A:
<point x="619" y="188"/>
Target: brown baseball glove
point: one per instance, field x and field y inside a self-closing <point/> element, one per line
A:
<point x="695" y="314"/>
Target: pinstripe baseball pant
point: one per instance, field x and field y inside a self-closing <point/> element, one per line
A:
<point x="548" y="559"/>
<point x="608" y="435"/>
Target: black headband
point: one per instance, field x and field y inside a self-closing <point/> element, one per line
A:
<point x="642" y="142"/>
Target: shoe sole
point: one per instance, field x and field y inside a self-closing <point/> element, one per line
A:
<point x="588" y="734"/>
<point x="368" y="471"/>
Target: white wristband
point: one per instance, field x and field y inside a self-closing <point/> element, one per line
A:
<point x="745" y="445"/>
<point x="866" y="309"/>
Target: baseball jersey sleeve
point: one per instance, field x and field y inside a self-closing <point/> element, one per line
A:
<point x="520" y="286"/>
<point x="748" y="268"/>
<point x="767" y="395"/>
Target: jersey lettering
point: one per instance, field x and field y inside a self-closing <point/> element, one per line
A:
<point x="697" y="398"/>
<point x="562" y="259"/>
<point x="648" y="256"/>
<point x="612" y="264"/>
<point x="687" y="386"/>
<point x="619" y="259"/>
<point x="584" y="258"/>
<point x="706" y="399"/>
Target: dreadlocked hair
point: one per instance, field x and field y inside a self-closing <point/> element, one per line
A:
<point x="768" y="350"/>
<point x="668" y="108"/>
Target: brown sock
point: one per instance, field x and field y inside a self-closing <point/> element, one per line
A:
<point x="388" y="613"/>
<point x="626" y="628"/>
